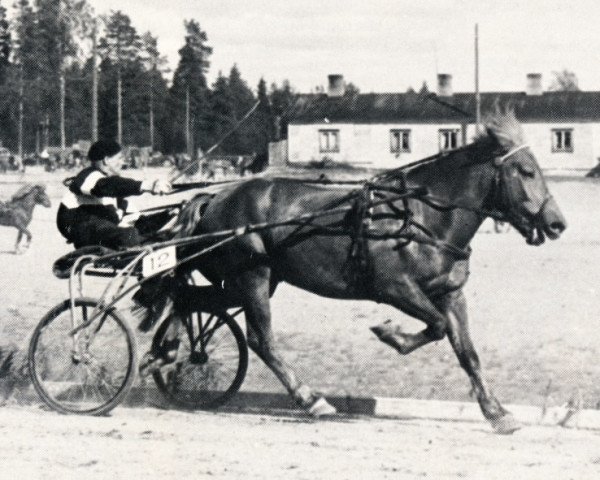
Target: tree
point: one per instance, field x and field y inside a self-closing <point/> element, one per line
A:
<point x="264" y="113"/>
<point x="5" y="45"/>
<point x="75" y="23"/>
<point x="62" y="26"/>
<point x="188" y="99"/>
<point x="351" y="90"/>
<point x="155" y="64"/>
<point x="242" y="100"/>
<point x="25" y="60"/>
<point x="564" y="81"/>
<point x="263" y="124"/>
<point x="120" y="52"/>
<point x="283" y="101"/>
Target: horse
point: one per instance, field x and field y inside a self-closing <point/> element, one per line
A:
<point x="409" y="251"/>
<point x="18" y="211"/>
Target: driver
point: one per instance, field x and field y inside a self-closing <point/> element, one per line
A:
<point x="92" y="210"/>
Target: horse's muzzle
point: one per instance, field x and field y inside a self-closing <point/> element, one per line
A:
<point x="553" y="222"/>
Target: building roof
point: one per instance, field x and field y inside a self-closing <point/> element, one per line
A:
<point x="425" y="107"/>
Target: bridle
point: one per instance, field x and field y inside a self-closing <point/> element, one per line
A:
<point x="502" y="189"/>
<point x="497" y="197"/>
<point x="499" y="161"/>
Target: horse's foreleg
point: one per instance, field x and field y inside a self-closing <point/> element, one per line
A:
<point x="21" y="248"/>
<point x="19" y="237"/>
<point x="255" y="288"/>
<point x="411" y="300"/>
<point x="455" y="307"/>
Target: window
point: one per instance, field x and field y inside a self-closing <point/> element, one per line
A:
<point x="329" y="141"/>
<point x="562" y="140"/>
<point x="399" y="141"/>
<point x="449" y="139"/>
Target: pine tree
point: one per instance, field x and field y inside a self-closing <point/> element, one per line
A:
<point x="120" y="50"/>
<point x="241" y="141"/>
<point x="155" y="65"/>
<point x="24" y="84"/>
<point x="264" y="125"/>
<point x="283" y="104"/>
<point x="189" y="93"/>
<point x="5" y="46"/>
<point x="221" y="106"/>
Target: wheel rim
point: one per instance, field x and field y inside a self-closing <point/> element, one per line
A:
<point x="211" y="363"/>
<point x="86" y="375"/>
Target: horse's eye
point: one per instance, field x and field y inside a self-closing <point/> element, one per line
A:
<point x="526" y="170"/>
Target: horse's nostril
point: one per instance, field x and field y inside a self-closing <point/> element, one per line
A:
<point x="558" y="226"/>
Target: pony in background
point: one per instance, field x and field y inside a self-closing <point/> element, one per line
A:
<point x="18" y="211"/>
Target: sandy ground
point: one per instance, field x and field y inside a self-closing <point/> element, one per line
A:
<point x="534" y="320"/>
<point x="533" y="311"/>
<point x="148" y="443"/>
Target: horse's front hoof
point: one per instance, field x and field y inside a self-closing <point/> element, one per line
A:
<point x="506" y="424"/>
<point x="321" y="408"/>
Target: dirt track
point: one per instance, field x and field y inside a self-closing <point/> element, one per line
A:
<point x="534" y="320"/>
<point x="150" y="443"/>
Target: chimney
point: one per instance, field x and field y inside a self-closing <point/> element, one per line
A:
<point x="444" y="85"/>
<point x="337" y="87"/>
<point x="534" y="84"/>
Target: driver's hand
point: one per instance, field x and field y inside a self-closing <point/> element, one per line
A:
<point x="161" y="187"/>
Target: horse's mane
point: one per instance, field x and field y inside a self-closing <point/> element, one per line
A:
<point x="26" y="190"/>
<point x="505" y="129"/>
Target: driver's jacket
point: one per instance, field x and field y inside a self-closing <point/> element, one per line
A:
<point x="93" y="193"/>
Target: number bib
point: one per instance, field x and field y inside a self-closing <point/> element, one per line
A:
<point x="159" y="261"/>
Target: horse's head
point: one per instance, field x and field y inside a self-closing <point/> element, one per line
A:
<point x="521" y="194"/>
<point x="37" y="192"/>
<point x="41" y="197"/>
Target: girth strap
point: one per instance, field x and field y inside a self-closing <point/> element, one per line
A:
<point x="360" y="266"/>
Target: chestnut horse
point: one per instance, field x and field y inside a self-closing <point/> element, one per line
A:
<point x="409" y="253"/>
<point x="18" y="211"/>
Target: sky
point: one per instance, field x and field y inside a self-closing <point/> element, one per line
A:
<point x="382" y="45"/>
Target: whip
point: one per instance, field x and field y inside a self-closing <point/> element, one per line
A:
<point x="216" y="145"/>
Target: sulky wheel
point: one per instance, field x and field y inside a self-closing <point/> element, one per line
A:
<point x="211" y="361"/>
<point x="88" y="373"/>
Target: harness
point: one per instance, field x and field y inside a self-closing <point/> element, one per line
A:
<point x="375" y="192"/>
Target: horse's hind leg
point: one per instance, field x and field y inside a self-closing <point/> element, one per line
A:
<point x="28" y="237"/>
<point x="254" y="287"/>
<point x="455" y="307"/>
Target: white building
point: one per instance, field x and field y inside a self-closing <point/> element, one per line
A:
<point x="386" y="130"/>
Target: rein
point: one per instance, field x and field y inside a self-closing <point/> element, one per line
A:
<point x="375" y="192"/>
<point x="423" y="235"/>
